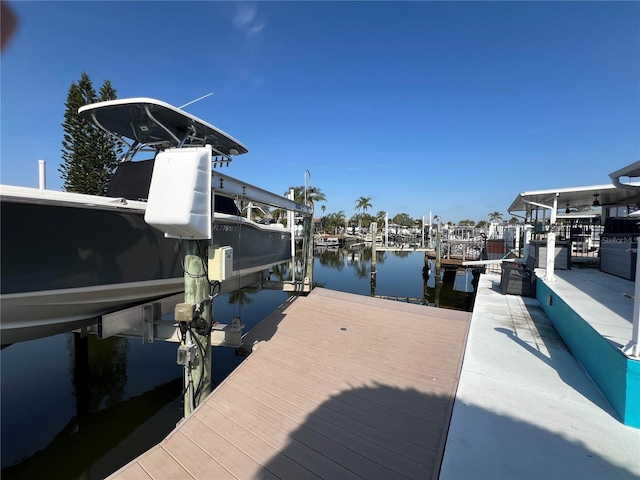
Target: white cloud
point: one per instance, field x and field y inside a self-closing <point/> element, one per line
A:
<point x="246" y="18"/>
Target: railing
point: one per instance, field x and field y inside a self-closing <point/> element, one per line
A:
<point x="463" y="249"/>
<point x="585" y="241"/>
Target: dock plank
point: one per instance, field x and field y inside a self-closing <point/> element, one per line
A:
<point x="231" y="457"/>
<point x="339" y="380"/>
<point x="158" y="463"/>
<point x="193" y="459"/>
<point x="371" y="365"/>
<point x="134" y="472"/>
<point x="410" y="434"/>
<point x="299" y="391"/>
<point x="260" y="450"/>
<point x="338" y="386"/>
<point x="297" y="409"/>
<point x="274" y="428"/>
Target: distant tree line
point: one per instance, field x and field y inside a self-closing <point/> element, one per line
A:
<point x="334" y="222"/>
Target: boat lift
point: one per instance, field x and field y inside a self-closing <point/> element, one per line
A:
<point x="180" y="204"/>
<point x="192" y="324"/>
<point x="146" y="321"/>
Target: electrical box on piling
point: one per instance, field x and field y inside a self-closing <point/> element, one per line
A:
<point x="220" y="263"/>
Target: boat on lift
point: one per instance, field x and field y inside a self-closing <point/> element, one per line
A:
<point x="69" y="258"/>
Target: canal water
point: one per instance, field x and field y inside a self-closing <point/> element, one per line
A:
<point x="84" y="420"/>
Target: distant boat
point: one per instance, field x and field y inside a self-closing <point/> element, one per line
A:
<point x="328" y="241"/>
<point x="68" y="258"/>
<point x="368" y="238"/>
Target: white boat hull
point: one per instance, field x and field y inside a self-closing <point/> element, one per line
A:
<point x="30" y="315"/>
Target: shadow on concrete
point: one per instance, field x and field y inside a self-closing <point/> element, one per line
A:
<point x="559" y="356"/>
<point x="495" y="286"/>
<point x="612" y="292"/>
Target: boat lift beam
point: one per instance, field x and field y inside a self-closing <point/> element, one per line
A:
<point x="147" y="321"/>
<point x="230" y="187"/>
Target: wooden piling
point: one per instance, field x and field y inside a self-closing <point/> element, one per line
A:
<point x="196" y="291"/>
<point x="373" y="227"/>
<point x="438" y="247"/>
<point x="308" y="231"/>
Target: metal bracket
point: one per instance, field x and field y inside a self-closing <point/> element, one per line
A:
<point x="151" y="313"/>
<point x="138" y="320"/>
<point x="224" y="335"/>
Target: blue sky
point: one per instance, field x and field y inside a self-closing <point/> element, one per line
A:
<point x="444" y="107"/>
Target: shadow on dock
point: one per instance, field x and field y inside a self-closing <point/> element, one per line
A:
<point x="264" y="331"/>
<point x="388" y="441"/>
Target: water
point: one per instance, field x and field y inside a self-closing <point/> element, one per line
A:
<point x="63" y="420"/>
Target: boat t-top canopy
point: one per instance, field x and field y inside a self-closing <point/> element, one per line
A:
<point x="153" y="124"/>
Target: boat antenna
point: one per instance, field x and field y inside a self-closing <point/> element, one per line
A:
<point x="196" y="100"/>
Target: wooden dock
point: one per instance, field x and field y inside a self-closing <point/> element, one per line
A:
<point x="338" y="386"/>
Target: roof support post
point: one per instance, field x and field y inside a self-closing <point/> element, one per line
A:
<point x="554" y="209"/>
<point x="551" y="258"/>
<point x="528" y="229"/>
<point x="291" y="220"/>
<point x="551" y="238"/>
<point x="550" y="274"/>
<point x="633" y="347"/>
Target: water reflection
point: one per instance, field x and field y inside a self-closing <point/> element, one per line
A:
<point x="98" y="369"/>
<point x="89" y="437"/>
<point x="67" y="402"/>
<point x="406" y="275"/>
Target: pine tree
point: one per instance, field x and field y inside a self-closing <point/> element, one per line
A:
<point x="110" y="151"/>
<point x="90" y="156"/>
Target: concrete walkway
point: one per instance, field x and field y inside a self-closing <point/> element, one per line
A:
<point x="525" y="408"/>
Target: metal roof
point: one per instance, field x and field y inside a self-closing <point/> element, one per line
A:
<point x="577" y="197"/>
<point x="632" y="170"/>
<point x="584" y="196"/>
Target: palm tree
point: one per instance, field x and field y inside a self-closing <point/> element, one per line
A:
<point x="278" y="213"/>
<point x="335" y="220"/>
<point x="313" y="194"/>
<point x="323" y="208"/>
<point x="241" y="297"/>
<point x="495" y="217"/>
<point x="341" y="219"/>
<point x="298" y="194"/>
<point x="363" y="203"/>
